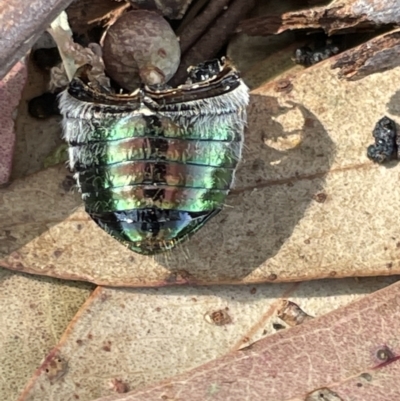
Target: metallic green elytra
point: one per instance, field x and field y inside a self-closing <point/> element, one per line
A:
<point x="155" y="165"/>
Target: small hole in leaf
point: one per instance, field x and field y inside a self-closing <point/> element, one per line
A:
<point x="384" y="354"/>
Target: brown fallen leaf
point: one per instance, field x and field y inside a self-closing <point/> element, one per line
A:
<point x="36" y="138"/>
<point x="123" y="339"/>
<point x="300" y="146"/>
<point x="340" y="16"/>
<point x="378" y="384"/>
<point x="10" y="94"/>
<point x="21" y="24"/>
<point x="34" y="314"/>
<point x="332" y="349"/>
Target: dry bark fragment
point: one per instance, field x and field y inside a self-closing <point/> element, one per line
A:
<point x="339" y="17"/>
<point x="377" y="55"/>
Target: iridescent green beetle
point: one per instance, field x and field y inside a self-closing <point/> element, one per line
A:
<point x="155" y="165"/>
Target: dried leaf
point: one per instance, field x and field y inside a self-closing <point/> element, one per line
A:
<point x="21" y="24"/>
<point x="354" y="344"/>
<point x="376" y="385"/>
<point x="124" y="339"/>
<point x="36" y="138"/>
<point x="11" y="87"/>
<point x="305" y="190"/>
<point x="34" y="314"/>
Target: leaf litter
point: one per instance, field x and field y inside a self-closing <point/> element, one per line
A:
<point x="349" y="354"/>
<point x="34" y="313"/>
<point x="285" y="125"/>
<point x="125" y="339"/>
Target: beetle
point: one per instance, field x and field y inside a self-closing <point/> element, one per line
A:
<point x="155" y="165"/>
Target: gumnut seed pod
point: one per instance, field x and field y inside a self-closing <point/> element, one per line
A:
<point x="140" y="47"/>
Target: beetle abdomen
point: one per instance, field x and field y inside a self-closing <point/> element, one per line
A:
<point x="154" y="166"/>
